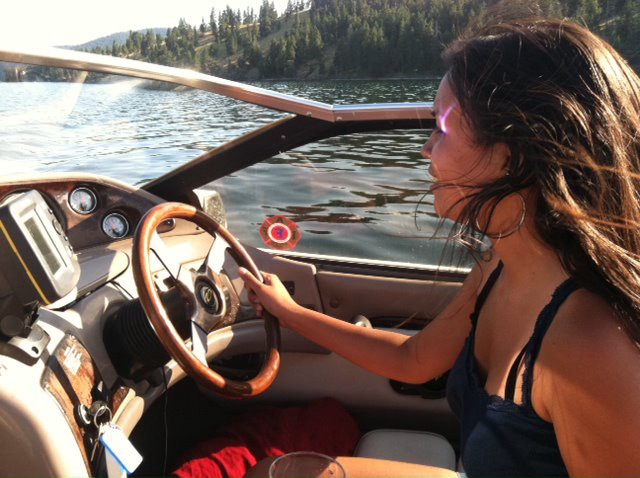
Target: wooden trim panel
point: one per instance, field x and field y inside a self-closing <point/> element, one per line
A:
<point x="72" y="378"/>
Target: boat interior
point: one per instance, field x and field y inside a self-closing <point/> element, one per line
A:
<point x="123" y="304"/>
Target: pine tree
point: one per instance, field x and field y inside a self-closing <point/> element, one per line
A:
<point x="588" y="12"/>
<point x="266" y="17"/>
<point x="213" y="24"/>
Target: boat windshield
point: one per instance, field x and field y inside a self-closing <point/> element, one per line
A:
<point x="133" y="130"/>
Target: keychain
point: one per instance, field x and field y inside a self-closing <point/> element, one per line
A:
<point x="121" y="456"/>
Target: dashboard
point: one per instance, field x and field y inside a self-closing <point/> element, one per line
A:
<point x="93" y="210"/>
<point x="55" y="373"/>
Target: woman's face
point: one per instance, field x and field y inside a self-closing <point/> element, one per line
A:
<point x="457" y="163"/>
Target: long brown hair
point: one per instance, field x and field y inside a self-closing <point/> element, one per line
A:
<point x="568" y="107"/>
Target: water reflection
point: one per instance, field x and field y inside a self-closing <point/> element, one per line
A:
<point x="362" y="195"/>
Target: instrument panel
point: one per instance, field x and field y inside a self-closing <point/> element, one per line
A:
<point x="93" y="210"/>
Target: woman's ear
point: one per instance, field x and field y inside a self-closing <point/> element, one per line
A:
<point x="501" y="153"/>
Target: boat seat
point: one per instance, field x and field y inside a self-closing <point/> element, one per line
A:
<point x="409" y="446"/>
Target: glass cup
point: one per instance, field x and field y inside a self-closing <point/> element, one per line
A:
<point x="306" y="464"/>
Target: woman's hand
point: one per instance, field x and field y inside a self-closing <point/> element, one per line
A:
<point x="270" y="295"/>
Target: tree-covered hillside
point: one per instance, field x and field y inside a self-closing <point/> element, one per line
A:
<point x="109" y="40"/>
<point x="351" y="38"/>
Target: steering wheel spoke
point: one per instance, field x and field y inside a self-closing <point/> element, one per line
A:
<point x="181" y="276"/>
<point x="217" y="256"/>
<point x="199" y="343"/>
<point x="160" y="251"/>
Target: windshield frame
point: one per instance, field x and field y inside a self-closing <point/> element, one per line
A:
<point x="77" y="60"/>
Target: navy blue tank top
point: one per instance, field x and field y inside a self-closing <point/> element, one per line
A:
<point x="498" y="436"/>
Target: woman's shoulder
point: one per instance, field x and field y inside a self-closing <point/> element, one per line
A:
<point x="585" y="324"/>
<point x="590" y="376"/>
<point x="586" y="331"/>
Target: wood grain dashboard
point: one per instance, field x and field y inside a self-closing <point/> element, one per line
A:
<point x="73" y="379"/>
<point x="85" y="230"/>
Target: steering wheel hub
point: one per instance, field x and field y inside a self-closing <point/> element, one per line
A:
<point x="209" y="296"/>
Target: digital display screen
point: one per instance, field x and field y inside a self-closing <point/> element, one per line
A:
<point x="43" y="245"/>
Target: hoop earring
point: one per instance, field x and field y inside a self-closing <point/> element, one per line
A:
<point x="503" y="235"/>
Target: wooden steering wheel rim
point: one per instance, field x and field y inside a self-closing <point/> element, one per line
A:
<point x="166" y="332"/>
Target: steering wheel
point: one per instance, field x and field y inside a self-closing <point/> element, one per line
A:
<point x="203" y="299"/>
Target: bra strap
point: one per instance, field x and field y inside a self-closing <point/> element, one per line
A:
<point x="510" y="387"/>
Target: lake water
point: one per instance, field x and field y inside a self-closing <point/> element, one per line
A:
<point x="359" y="196"/>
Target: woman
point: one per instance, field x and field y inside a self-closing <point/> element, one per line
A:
<point x="536" y="146"/>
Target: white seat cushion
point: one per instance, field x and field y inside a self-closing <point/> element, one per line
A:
<point x="422" y="448"/>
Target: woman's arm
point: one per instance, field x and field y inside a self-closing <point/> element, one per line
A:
<point x="369" y="468"/>
<point x="415" y="359"/>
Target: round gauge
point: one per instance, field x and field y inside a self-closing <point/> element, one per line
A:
<point x="115" y="225"/>
<point x="83" y="200"/>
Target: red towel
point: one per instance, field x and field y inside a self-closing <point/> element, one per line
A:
<point x="323" y="426"/>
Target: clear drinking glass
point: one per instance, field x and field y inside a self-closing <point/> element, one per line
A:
<point x="306" y="464"/>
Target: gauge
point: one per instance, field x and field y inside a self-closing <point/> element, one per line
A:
<point x="83" y="200"/>
<point x="115" y="225"/>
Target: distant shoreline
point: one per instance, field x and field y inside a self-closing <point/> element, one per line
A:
<point x="392" y="78"/>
